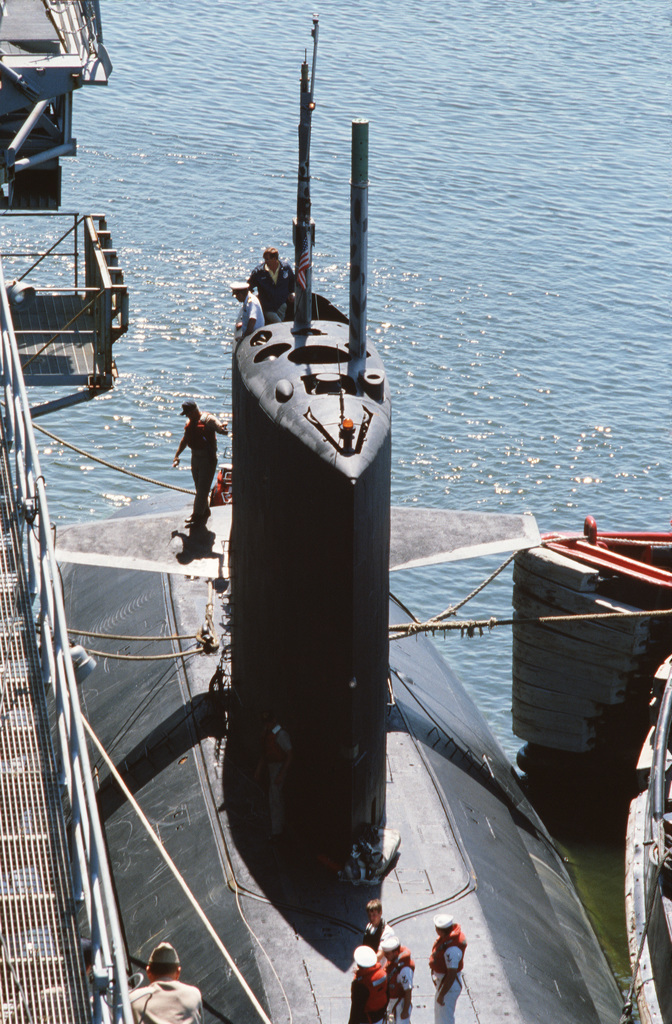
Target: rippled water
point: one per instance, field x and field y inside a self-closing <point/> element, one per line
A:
<point x="519" y="251"/>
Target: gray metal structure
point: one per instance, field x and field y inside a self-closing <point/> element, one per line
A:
<point x="648" y="883"/>
<point x="49" y="887"/>
<point x="47" y="51"/>
<point x="74" y="303"/>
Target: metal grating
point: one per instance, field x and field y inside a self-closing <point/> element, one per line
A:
<point x="41" y="968"/>
<point x="71" y="356"/>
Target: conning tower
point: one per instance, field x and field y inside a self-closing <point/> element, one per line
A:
<point x="310" y="542"/>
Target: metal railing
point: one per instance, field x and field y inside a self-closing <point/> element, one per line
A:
<point x="77" y="24"/>
<point x="89" y="866"/>
<point x="103" y="294"/>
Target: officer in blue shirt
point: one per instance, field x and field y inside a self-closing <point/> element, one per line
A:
<point x="274" y="281"/>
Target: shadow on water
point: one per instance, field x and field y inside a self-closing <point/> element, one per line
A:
<point x="587" y="816"/>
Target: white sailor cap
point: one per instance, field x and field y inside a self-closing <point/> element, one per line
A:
<point x="240" y="286"/>
<point x="365" y="956"/>
<point x="390" y="943"/>
<point x="443" y="922"/>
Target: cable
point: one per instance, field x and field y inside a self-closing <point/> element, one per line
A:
<point x="122" y="636"/>
<point x="146" y="657"/>
<point x="469" y="626"/>
<point x="110" y="465"/>
<point x="176" y="873"/>
<point x="16" y="978"/>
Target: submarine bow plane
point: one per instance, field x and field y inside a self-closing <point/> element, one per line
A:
<point x="383" y="734"/>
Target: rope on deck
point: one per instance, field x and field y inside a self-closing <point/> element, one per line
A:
<point x="471" y="626"/>
<point x="111" y="465"/>
<point x="146" y="657"/>
<point x="170" y="863"/>
<point x="121" y="636"/>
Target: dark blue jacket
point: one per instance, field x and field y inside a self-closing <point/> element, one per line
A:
<point x="272" y="296"/>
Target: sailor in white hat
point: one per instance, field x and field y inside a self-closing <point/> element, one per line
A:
<point x="368" y="992"/>
<point x="252" y="317"/>
<point x="399" y="967"/>
<point x="445" y="963"/>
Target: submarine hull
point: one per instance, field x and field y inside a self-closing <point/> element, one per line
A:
<point x="471" y="843"/>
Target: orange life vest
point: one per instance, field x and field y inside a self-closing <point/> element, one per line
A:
<point x="375" y="979"/>
<point x="437" y="961"/>
<point x="221" y="492"/>
<point x="196" y="437"/>
<point x="393" y="969"/>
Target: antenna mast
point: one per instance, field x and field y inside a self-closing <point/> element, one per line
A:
<point x="304" y="228"/>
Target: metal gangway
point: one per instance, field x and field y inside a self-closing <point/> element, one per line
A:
<point x="68" y="301"/>
<point x="55" y="881"/>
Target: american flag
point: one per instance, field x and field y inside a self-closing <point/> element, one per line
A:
<point x="304" y="263"/>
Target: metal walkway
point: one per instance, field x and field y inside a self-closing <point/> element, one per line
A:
<point x="55" y="883"/>
<point x="41" y="968"/>
<point x="68" y="299"/>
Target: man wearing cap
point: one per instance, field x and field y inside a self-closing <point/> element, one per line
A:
<point x="445" y="963"/>
<point x="274" y="281"/>
<point x="252" y="316"/>
<point x="166" y="1000"/>
<point x="368" y="993"/>
<point x="199" y="434"/>
<point x="399" y="968"/>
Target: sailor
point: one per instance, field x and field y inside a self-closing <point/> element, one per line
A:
<point x="368" y="992"/>
<point x="252" y="316"/>
<point x="276" y="756"/>
<point x="166" y="1000"/>
<point x="377" y="929"/>
<point x="274" y="281"/>
<point x="199" y="434"/>
<point x="399" y="967"/>
<point x="445" y="963"/>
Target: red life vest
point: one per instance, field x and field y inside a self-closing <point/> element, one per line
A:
<point x="273" y="752"/>
<point x="221" y="492"/>
<point x="195" y="436"/>
<point x="393" y="969"/>
<point x="437" y="961"/>
<point x="375" y="979"/>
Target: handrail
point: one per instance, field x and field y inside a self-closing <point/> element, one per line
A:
<point x="90" y="868"/>
<point x="656" y="799"/>
<point x="78" y="25"/>
<point x="660" y="748"/>
<point x="103" y="279"/>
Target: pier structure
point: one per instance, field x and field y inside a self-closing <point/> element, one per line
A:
<point x="47" y="52"/>
<point x="55" y="883"/>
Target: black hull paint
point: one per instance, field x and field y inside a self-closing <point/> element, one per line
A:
<point x="467" y="829"/>
<point x="310" y="555"/>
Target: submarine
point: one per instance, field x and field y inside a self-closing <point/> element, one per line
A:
<point x="282" y="602"/>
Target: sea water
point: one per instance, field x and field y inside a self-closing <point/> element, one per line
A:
<point x="518" y="279"/>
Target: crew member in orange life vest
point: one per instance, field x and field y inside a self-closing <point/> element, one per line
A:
<point x="445" y="963"/>
<point x="399" y="967"/>
<point x="199" y="434"/>
<point x="368" y="993"/>
<point x="276" y="755"/>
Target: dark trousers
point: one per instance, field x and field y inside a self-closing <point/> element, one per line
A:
<point x="203" y="466"/>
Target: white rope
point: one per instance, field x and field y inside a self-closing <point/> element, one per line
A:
<point x="173" y="867"/>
